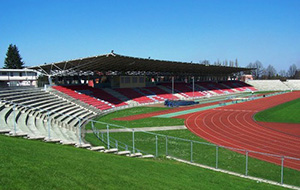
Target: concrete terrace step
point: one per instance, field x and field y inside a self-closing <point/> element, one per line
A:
<point x="112" y="150"/>
<point x="83" y="146"/>
<point x="136" y="155"/>
<point x="17" y="134"/>
<point x="148" y="156"/>
<point x="97" y="148"/>
<point x="52" y="140"/>
<point x="4" y="131"/>
<point x="126" y="152"/>
<point x="36" y="137"/>
<point x="68" y="143"/>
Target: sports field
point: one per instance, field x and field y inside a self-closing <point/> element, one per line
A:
<point x="29" y="164"/>
<point x="202" y="154"/>
<point x="284" y="113"/>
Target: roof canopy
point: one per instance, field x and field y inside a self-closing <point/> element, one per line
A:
<point x="120" y="64"/>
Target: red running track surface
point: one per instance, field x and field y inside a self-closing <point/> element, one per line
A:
<point x="288" y="128"/>
<point x="234" y="126"/>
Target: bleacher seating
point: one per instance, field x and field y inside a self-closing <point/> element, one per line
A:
<point x="204" y="88"/>
<point x="293" y="84"/>
<point x="184" y="89"/>
<point x="160" y="93"/>
<point x="239" y="86"/>
<point x="92" y="96"/>
<point x="134" y="95"/>
<point x="268" y="85"/>
<point x="38" y="114"/>
<point x="105" y="99"/>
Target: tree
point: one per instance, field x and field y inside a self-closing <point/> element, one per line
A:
<point x="13" y="59"/>
<point x="250" y="65"/>
<point x="258" y="69"/>
<point x="205" y="62"/>
<point x="292" y="71"/>
<point x="271" y="71"/>
<point x="282" y="73"/>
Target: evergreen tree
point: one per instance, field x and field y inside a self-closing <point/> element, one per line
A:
<point x="13" y="59"/>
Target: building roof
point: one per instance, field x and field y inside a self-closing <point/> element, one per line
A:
<point x="17" y="70"/>
<point x="121" y="64"/>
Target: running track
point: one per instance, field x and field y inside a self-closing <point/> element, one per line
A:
<point x="234" y="126"/>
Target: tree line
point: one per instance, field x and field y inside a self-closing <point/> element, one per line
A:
<point x="226" y="63"/>
<point x="259" y="72"/>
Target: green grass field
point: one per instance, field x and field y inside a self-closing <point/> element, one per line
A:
<point x="147" y="122"/>
<point x="203" y="154"/>
<point x="28" y="164"/>
<point x="285" y="113"/>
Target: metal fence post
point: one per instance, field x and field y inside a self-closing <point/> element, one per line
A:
<point x="217" y="156"/>
<point x="79" y="127"/>
<point x="107" y="133"/>
<point x="246" y="172"/>
<point x="102" y="136"/>
<point x="116" y="144"/>
<point x="133" y="148"/>
<point x="156" y="146"/>
<point x="49" y="132"/>
<point x="191" y="151"/>
<point x="166" y="145"/>
<point x="282" y="161"/>
<point x="92" y="123"/>
<point x="15" y="123"/>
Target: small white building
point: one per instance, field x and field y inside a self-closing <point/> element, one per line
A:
<point x="18" y="77"/>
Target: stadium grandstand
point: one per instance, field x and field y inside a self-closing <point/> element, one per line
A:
<point x="115" y="81"/>
<point x="82" y="89"/>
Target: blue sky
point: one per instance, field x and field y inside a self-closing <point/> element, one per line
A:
<point x="249" y="30"/>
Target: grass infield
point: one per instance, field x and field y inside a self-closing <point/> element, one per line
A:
<point x="28" y="164"/>
<point x="284" y="113"/>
